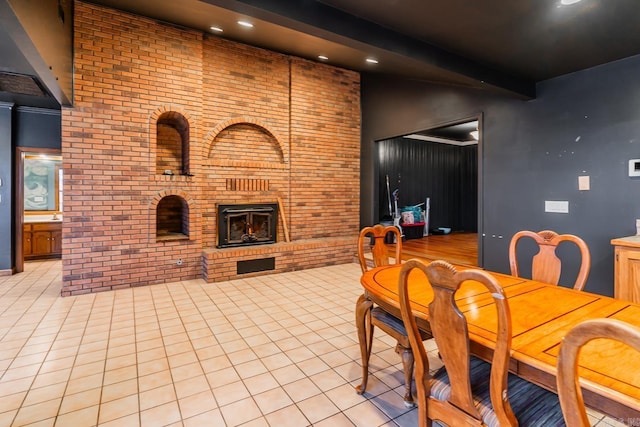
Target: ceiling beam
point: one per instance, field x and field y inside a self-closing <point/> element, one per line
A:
<point x="321" y="20"/>
<point x="39" y="35"/>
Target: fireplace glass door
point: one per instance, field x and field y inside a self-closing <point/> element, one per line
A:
<point x="241" y="225"/>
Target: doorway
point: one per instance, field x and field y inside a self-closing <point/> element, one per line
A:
<point x="437" y="170"/>
<point x="39" y="186"/>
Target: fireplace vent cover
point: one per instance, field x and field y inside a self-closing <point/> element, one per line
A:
<point x="256" y="265"/>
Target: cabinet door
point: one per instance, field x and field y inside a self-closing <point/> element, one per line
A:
<point x="627" y="281"/>
<point x="56" y="242"/>
<point x="41" y="244"/>
<point x="26" y="243"/>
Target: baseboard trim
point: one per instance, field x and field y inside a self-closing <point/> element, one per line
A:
<point x="8" y="272"/>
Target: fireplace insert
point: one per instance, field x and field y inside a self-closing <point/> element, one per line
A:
<point x="247" y="224"/>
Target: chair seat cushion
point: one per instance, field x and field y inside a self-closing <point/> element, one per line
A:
<point x="393" y="322"/>
<point x="531" y="404"/>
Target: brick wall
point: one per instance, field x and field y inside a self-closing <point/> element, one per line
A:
<point x="262" y="126"/>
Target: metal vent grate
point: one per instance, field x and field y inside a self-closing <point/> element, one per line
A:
<point x="21" y="84"/>
<point x="255" y="265"/>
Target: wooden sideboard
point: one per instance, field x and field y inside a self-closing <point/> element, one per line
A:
<point x="42" y="240"/>
<point x="627" y="268"/>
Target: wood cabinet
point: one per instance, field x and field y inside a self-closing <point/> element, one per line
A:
<point x="627" y="268"/>
<point x="42" y="240"/>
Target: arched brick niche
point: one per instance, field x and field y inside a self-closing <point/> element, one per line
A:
<point x="245" y="142"/>
<point x="172" y="144"/>
<point x="172" y="218"/>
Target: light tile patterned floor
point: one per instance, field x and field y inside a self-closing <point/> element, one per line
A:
<point x="278" y="350"/>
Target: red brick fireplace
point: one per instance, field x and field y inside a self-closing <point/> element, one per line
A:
<point x="168" y="123"/>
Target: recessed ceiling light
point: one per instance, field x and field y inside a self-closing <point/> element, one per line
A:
<point x="568" y="2"/>
<point x="371" y="61"/>
<point x="245" y="24"/>
<point x="216" y="28"/>
<point x="323" y="57"/>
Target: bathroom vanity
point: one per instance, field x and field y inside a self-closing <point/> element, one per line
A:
<point x="42" y="239"/>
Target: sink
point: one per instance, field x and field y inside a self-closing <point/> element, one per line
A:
<point x="42" y="218"/>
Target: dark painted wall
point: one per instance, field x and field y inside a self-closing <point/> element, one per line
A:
<point x="585" y="123"/>
<point x="38" y="128"/>
<point x="6" y="176"/>
<point x="20" y="127"/>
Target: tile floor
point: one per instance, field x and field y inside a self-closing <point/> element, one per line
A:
<point x="278" y="350"/>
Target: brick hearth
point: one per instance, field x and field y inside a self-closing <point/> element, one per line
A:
<point x="222" y="264"/>
<point x="230" y="123"/>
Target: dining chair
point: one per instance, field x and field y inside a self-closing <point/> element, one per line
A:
<point x="569" y="391"/>
<point x="466" y="390"/>
<point x="546" y="266"/>
<point x="372" y="241"/>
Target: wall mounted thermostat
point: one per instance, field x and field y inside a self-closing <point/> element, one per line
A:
<point x="634" y="167"/>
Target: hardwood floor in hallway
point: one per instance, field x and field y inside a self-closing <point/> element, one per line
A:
<point x="457" y="248"/>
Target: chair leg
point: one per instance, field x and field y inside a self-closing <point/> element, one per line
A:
<point x="407" y="362"/>
<point x="365" y="337"/>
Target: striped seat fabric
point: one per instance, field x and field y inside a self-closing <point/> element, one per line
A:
<point x="529" y="402"/>
<point x="382" y="317"/>
<point x="388" y="319"/>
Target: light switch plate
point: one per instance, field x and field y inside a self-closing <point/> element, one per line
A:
<point x="556" y="206"/>
<point x="583" y="183"/>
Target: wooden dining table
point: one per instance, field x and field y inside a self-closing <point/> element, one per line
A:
<point x="541" y="315"/>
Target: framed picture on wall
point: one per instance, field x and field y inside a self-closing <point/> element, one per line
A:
<point x="41" y="183"/>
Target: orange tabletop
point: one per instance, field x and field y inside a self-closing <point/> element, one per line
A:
<point x="541" y="315"/>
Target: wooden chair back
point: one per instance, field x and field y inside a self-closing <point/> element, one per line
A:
<point x="449" y="328"/>
<point x="372" y="239"/>
<point x="379" y="249"/>
<point x="546" y="266"/>
<point x="569" y="392"/>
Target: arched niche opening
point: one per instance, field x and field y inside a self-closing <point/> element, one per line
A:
<point x="172" y="218"/>
<point x="244" y="141"/>
<point x="172" y="144"/>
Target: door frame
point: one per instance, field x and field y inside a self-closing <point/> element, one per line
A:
<point x="479" y="117"/>
<point x="19" y="205"/>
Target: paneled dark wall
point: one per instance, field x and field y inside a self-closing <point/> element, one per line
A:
<point x="585" y="123"/>
<point x="445" y="173"/>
